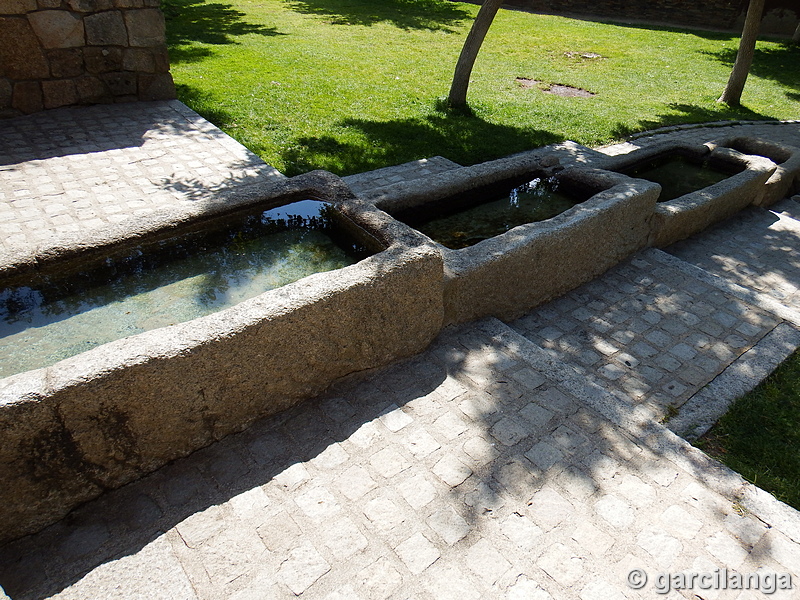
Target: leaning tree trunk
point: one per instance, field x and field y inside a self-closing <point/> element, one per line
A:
<point x="796" y="36"/>
<point x="744" y="57"/>
<point x="458" y="90"/>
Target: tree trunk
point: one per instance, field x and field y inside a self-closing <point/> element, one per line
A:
<point x="744" y="57"/>
<point x="458" y="89"/>
<point x="796" y="36"/>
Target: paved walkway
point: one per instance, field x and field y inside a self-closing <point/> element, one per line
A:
<point x="520" y="461"/>
<point x="77" y="171"/>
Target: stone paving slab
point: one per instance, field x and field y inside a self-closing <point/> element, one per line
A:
<point x="648" y="331"/>
<point x="409" y="171"/>
<point x="482" y="468"/>
<point x="757" y="249"/>
<point x="75" y="171"/>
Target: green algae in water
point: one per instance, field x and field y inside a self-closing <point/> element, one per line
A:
<point x="458" y="227"/>
<point x="179" y="282"/>
<point x="679" y="175"/>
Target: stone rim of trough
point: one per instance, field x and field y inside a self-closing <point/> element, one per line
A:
<point x="680" y="217"/>
<point x="611" y="188"/>
<point x="394" y="244"/>
<point x="117" y="239"/>
<point x="785" y="180"/>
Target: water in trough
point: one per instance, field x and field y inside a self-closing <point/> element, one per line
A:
<point x="182" y="280"/>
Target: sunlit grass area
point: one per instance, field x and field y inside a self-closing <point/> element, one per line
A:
<point x="759" y="436"/>
<point x="352" y="85"/>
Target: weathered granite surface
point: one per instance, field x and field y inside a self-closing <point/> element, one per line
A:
<point x="679" y="218"/>
<point x="786" y="179"/>
<point x="506" y="275"/>
<point x="110" y="415"/>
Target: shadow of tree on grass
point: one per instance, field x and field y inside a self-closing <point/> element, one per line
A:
<point x="465" y="139"/>
<point x="688" y="114"/>
<point x="437" y="15"/>
<point x="216" y="23"/>
<point x="777" y="64"/>
<point x="205" y="104"/>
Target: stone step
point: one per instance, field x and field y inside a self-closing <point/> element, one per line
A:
<point x="409" y="171"/>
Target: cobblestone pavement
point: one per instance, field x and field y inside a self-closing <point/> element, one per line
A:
<point x="79" y="170"/>
<point x="756" y="248"/>
<point x="483" y="468"/>
<point x="390" y="175"/>
<point x="514" y="462"/>
<point x="647" y="331"/>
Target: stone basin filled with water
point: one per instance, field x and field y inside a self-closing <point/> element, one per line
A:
<point x="165" y="334"/>
<point x="177" y="281"/>
<point x="700" y="185"/>
<point x="680" y="174"/>
<point x="517" y="232"/>
<point x="469" y="218"/>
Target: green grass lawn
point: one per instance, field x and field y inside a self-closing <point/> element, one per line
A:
<point x="759" y="437"/>
<point x="352" y="85"/>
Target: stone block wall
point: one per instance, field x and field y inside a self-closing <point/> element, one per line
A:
<point x="780" y="16"/>
<point x="66" y="52"/>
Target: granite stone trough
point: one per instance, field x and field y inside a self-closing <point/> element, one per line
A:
<point x="508" y="274"/>
<point x="785" y="181"/>
<point x="678" y="218"/>
<point x="105" y="417"/>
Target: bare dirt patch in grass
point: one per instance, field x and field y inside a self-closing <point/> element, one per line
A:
<point x="587" y="55"/>
<point x="556" y="89"/>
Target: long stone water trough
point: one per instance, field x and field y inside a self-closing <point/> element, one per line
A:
<point x="110" y="415"/>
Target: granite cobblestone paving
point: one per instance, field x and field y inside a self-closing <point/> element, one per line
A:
<point x="399" y="173"/>
<point x="79" y="170"/>
<point x="756" y="249"/>
<point x="416" y="481"/>
<point x="504" y="462"/>
<point x="647" y="332"/>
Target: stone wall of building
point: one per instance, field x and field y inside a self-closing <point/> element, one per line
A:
<point x="780" y="16"/>
<point x="66" y="52"/>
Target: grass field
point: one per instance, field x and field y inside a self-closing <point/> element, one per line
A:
<point x="352" y="85"/>
<point x="759" y="436"/>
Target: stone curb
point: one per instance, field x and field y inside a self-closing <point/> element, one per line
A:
<point x="704" y="409"/>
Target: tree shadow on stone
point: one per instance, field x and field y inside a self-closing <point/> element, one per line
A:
<point x="688" y="114"/>
<point x="215" y="23"/>
<point x="487" y="435"/>
<point x="465" y="139"/>
<point x="436" y="15"/>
